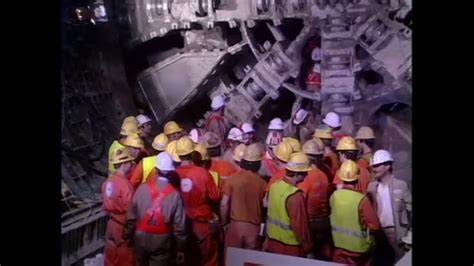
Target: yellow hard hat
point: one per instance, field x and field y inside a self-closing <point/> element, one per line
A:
<point x="129" y="128"/>
<point x="298" y="162"/>
<point x="253" y="153"/>
<point x="130" y="119"/>
<point x="134" y="141"/>
<point x="121" y="156"/>
<point x="160" y="142"/>
<point x="239" y="152"/>
<point x="283" y="151"/>
<point x="347" y="144"/>
<point x="294" y="143"/>
<point x="365" y="133"/>
<point x="203" y="151"/>
<point x="171" y="149"/>
<point x="172" y="127"/>
<point x="184" y="146"/>
<point x="211" y="140"/>
<point x="314" y="147"/>
<point x="349" y="171"/>
<point x="323" y="133"/>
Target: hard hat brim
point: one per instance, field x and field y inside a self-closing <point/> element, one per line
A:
<point x="275" y="128"/>
<point x="299" y="169"/>
<point x="325" y="121"/>
<point x="157" y="148"/>
<point x="356" y="177"/>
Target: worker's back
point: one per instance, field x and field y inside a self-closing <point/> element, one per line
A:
<point x="246" y="190"/>
<point x="169" y="219"/>
<point x="348" y="230"/>
<point x="317" y="190"/>
<point x="197" y="190"/>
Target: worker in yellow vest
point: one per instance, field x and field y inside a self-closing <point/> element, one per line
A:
<point x="129" y="127"/>
<point x="287" y="219"/>
<point x="141" y="173"/>
<point x="354" y="221"/>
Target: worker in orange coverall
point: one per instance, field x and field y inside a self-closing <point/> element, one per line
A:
<point x="317" y="190"/>
<point x="242" y="202"/>
<point x="199" y="191"/>
<point x="117" y="193"/>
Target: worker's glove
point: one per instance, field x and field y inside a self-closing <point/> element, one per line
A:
<point x="180" y="258"/>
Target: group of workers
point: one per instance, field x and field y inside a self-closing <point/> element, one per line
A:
<point x="184" y="198"/>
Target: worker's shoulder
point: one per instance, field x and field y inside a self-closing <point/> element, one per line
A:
<point x="399" y="183"/>
<point x="298" y="195"/>
<point x="363" y="171"/>
<point x="317" y="173"/>
<point x="193" y="171"/>
<point x="256" y="179"/>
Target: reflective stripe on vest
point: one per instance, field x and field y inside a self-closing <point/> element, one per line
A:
<point x="216" y="178"/>
<point x="148" y="165"/>
<point x="278" y="220"/>
<point x="114" y="147"/>
<point x="154" y="222"/>
<point x="347" y="231"/>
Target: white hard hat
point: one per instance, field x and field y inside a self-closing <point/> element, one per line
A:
<point x="142" y="119"/>
<point x="300" y="116"/>
<point x="235" y="134"/>
<point x="276" y="124"/>
<point x="247" y="128"/>
<point x="381" y="156"/>
<point x="332" y="120"/>
<point x="316" y="54"/>
<point x="164" y="162"/>
<point x="196" y="135"/>
<point x="217" y="102"/>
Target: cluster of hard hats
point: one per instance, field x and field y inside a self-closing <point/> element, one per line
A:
<point x="349" y="170"/>
<point x="250" y="153"/>
<point x="131" y="128"/>
<point x="289" y="152"/>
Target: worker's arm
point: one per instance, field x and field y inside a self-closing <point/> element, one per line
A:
<point x="125" y="200"/>
<point x="132" y="216"/>
<point x="224" y="208"/>
<point x="369" y="216"/>
<point x="408" y="203"/>
<point x="265" y="200"/>
<point x="173" y="210"/>
<point x="225" y="202"/>
<point x="137" y="175"/>
<point x="296" y="208"/>
<point x="337" y="181"/>
<point x="212" y="191"/>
